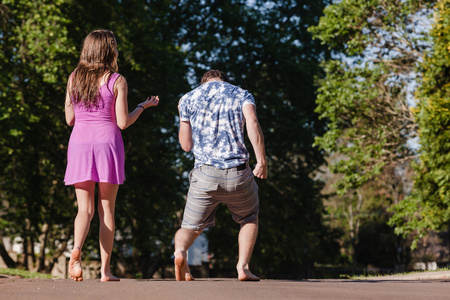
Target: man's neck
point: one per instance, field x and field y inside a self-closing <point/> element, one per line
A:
<point x="213" y="79"/>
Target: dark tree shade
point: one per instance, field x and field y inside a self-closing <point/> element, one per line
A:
<point x="266" y="49"/>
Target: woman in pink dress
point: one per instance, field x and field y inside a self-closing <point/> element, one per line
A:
<point x="96" y="106"/>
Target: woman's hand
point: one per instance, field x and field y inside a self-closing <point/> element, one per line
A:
<point x="150" y="101"/>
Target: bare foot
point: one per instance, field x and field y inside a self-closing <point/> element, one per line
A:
<point x="75" y="270"/>
<point x="182" y="272"/>
<point x="246" y="275"/>
<point x="109" y="277"/>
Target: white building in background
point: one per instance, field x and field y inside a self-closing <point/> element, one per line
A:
<point x="198" y="252"/>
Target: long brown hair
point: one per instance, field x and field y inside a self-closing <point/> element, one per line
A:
<point x="97" y="58"/>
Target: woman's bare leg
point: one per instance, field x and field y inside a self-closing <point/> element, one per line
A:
<point x="106" y="205"/>
<point x="85" y="192"/>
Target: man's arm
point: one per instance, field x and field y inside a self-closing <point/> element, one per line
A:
<point x="185" y="135"/>
<point x="257" y="139"/>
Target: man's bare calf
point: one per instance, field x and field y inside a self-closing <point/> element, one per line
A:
<point x="247" y="239"/>
<point x="182" y="272"/>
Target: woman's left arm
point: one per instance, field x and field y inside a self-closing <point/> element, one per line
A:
<point x="68" y="107"/>
<point x="123" y="118"/>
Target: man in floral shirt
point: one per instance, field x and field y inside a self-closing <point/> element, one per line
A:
<point x="212" y="119"/>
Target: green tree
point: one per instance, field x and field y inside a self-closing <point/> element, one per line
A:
<point x="40" y="47"/>
<point x="364" y="96"/>
<point x="265" y="48"/>
<point x="428" y="207"/>
<point x="152" y="63"/>
<point x="34" y="51"/>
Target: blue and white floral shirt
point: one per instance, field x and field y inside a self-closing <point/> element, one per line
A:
<point x="214" y="110"/>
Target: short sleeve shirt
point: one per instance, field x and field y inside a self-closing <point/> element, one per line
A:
<point x="214" y="111"/>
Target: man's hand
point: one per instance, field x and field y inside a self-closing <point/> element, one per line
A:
<point x="260" y="171"/>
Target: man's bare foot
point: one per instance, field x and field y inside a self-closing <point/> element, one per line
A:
<point x="109" y="277"/>
<point x="246" y="275"/>
<point x="182" y="272"/>
<point x="75" y="270"/>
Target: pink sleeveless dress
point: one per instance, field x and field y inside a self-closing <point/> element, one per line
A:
<point x="96" y="150"/>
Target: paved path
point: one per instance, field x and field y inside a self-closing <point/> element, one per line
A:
<point x="431" y="286"/>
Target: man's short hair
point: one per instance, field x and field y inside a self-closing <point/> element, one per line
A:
<point x="214" y="74"/>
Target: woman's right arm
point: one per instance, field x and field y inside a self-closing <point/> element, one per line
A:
<point x="68" y="107"/>
<point x="123" y="118"/>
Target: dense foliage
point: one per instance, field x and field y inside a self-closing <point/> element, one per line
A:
<point x="366" y="98"/>
<point x="428" y="208"/>
<point x="266" y="49"/>
<point x="365" y="92"/>
<point x="329" y="77"/>
<point x="40" y="47"/>
<point x="35" y="50"/>
<point x="164" y="46"/>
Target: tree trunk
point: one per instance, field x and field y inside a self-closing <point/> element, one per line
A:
<point x="29" y="260"/>
<point x="54" y="258"/>
<point x="43" y="243"/>
<point x="156" y="264"/>
<point x="10" y="263"/>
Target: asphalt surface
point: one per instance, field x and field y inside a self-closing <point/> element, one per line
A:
<point x="428" y="285"/>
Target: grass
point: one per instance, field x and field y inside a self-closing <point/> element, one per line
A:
<point x="24" y="273"/>
<point x="381" y="275"/>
